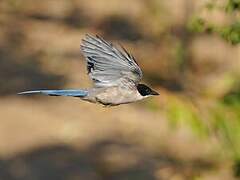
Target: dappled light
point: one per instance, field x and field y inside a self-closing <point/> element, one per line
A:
<point x="188" y="51"/>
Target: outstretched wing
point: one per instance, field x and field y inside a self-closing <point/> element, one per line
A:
<point x="107" y="65"/>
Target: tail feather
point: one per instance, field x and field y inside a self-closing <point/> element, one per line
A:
<point x="72" y="92"/>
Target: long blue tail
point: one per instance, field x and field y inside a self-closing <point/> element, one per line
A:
<point x="71" y="92"/>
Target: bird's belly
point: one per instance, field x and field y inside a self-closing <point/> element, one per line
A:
<point x="117" y="97"/>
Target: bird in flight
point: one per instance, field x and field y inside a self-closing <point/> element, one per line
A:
<point x="115" y="74"/>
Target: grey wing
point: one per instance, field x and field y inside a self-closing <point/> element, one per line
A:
<point x="107" y="65"/>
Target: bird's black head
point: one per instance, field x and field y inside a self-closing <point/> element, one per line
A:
<point x="145" y="90"/>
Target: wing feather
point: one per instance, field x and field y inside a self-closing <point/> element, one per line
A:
<point x="107" y="65"/>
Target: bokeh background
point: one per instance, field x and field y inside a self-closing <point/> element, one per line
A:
<point x="188" y="50"/>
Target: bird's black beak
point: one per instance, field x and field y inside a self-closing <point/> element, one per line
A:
<point x="154" y="93"/>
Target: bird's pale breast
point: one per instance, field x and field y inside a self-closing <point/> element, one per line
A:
<point x="117" y="95"/>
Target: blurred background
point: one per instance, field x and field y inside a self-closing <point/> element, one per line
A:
<point x="188" y="50"/>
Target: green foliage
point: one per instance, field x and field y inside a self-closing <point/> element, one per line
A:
<point x="180" y="54"/>
<point x="200" y="25"/>
<point x="210" y="5"/>
<point x="227" y="126"/>
<point x="233" y="5"/>
<point x="197" y="25"/>
<point x="183" y="112"/>
<point x="236" y="167"/>
<point x="232" y="99"/>
<point x="230" y="32"/>
<point x="221" y="120"/>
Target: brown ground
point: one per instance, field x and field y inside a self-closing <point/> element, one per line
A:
<point x="60" y="138"/>
<point x="54" y="138"/>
